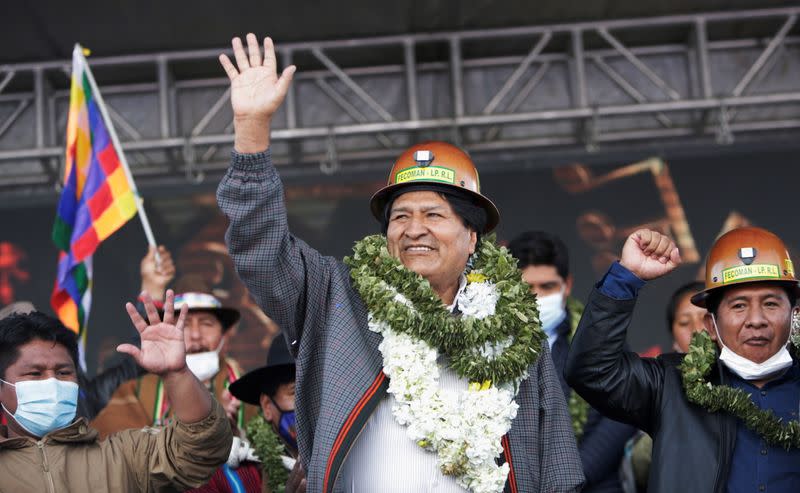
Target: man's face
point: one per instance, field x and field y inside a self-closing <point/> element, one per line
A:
<point x="688" y="320"/>
<point x="753" y="320"/>
<point x="284" y="397"/>
<point x="38" y="360"/>
<point x="545" y="280"/>
<point x="429" y="238"/>
<point x="202" y="332"/>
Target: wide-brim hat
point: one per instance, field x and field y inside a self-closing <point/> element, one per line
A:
<point x="21" y="307"/>
<point x="208" y="303"/>
<point x="249" y="387"/>
<point x="440" y="165"/>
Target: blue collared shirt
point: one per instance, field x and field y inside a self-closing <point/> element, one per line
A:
<point x="756" y="466"/>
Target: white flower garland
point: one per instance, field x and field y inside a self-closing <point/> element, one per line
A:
<point x="464" y="428"/>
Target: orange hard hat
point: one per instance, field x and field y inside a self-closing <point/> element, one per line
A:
<point x="439" y="164"/>
<point x="746" y="255"/>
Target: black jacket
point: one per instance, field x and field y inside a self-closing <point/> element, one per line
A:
<point x="692" y="447"/>
<point x="603" y="442"/>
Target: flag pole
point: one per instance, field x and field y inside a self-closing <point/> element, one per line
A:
<point x="148" y="231"/>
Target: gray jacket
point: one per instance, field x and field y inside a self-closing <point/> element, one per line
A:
<point x="340" y="377"/>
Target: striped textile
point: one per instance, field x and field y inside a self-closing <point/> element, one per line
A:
<point x="97" y="199"/>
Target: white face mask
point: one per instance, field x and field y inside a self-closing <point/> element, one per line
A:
<point x="551" y="311"/>
<point x="750" y="370"/>
<point x="44" y="405"/>
<point x="204" y="365"/>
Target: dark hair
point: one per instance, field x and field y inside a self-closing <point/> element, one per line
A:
<point x="715" y="298"/>
<point x="472" y="215"/>
<point x="20" y="329"/>
<point x="541" y="248"/>
<point x="280" y="376"/>
<point x="688" y="288"/>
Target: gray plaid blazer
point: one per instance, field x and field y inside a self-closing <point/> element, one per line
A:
<point x="339" y="368"/>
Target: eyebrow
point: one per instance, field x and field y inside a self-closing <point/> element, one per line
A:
<point x="749" y="298"/>
<point x="424" y="208"/>
<point x="39" y="366"/>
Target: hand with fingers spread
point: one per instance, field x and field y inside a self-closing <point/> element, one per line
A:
<point x="163" y="352"/>
<point x="163" y="349"/>
<point x="650" y="254"/>
<point x="256" y="91"/>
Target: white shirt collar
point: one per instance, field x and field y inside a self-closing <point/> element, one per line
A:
<point x="462" y="285"/>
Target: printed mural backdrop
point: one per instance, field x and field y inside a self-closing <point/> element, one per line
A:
<point x="592" y="208"/>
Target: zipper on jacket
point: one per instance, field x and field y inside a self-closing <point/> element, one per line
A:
<point x="46" y="467"/>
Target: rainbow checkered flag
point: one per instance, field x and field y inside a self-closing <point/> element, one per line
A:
<point x="98" y="198"/>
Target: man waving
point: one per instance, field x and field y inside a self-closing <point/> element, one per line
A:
<point x="45" y="448"/>
<point x="421" y="363"/>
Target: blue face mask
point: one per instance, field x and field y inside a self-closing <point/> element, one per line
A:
<point x="44" y="405"/>
<point x="287" y="427"/>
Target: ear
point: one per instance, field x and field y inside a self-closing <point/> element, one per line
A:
<point x="568" y="285"/>
<point x="708" y="323"/>
<point x="266" y="408"/>
<point x="9" y="398"/>
<point x="473" y="241"/>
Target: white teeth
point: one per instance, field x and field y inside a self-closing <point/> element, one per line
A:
<point x="419" y="249"/>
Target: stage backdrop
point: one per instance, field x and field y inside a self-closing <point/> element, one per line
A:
<point x="592" y="208"/>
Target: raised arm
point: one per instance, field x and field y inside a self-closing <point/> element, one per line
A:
<point x="185" y="453"/>
<point x="619" y="383"/>
<point x="279" y="269"/>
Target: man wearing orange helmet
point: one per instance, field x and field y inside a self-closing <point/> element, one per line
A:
<point x="723" y="417"/>
<point x="421" y="363"/>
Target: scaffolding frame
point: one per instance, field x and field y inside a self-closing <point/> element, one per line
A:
<point x="684" y="99"/>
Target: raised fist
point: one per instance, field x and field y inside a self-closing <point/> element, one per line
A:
<point x="157" y="275"/>
<point x="650" y="254"/>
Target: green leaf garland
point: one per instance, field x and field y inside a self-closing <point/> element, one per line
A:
<point x="269" y="449"/>
<point x="578" y="407"/>
<point x="578" y="413"/>
<point x="697" y="365"/>
<point x="378" y="277"/>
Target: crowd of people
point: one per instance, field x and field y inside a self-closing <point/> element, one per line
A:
<point x="429" y="360"/>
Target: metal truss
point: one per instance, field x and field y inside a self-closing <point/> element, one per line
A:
<point x="580" y="85"/>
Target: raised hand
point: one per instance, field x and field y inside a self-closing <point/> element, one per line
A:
<point x="163" y="349"/>
<point x="156" y="275"/>
<point x="650" y="254"/>
<point x="256" y="91"/>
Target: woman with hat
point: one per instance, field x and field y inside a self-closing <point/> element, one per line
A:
<point x="723" y="417"/>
